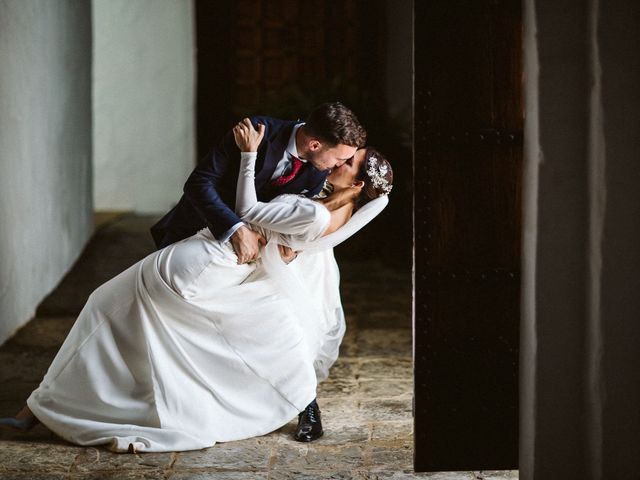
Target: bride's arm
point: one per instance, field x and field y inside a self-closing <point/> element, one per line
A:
<point x="281" y="217"/>
<point x="341" y="203"/>
<point x="339" y="217"/>
<point x="246" y="197"/>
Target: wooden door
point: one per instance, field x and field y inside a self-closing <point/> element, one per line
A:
<point x="468" y="161"/>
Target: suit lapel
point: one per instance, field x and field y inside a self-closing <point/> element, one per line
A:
<point x="275" y="151"/>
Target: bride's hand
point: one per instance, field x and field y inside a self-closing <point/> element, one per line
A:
<point x="248" y="138"/>
<point x="287" y="254"/>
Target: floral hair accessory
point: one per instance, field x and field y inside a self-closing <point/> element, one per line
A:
<point x="377" y="173"/>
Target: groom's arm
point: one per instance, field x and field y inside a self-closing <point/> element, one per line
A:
<point x="202" y="191"/>
<point x="201" y="188"/>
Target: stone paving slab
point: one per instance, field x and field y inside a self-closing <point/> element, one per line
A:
<point x="345" y="368"/>
<point x="93" y="459"/>
<point x="383" y="342"/>
<point x="411" y="475"/>
<point x="33" y="476"/>
<point x="384" y="389"/>
<point x="195" y="475"/>
<point x="249" y="454"/>
<point x="392" y="430"/>
<point x="333" y="387"/>
<point x="349" y="348"/>
<point x="150" y="474"/>
<point x="385" y="368"/>
<point x="389" y="455"/>
<point x="385" y="409"/>
<point x="314" y="456"/>
<point x="336" y="434"/>
<point x="27" y="456"/>
<point x="314" y="475"/>
<point x="340" y="411"/>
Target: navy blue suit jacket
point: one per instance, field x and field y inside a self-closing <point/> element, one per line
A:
<point x="209" y="192"/>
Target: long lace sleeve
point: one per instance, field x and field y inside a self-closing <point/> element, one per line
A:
<point x="300" y="216"/>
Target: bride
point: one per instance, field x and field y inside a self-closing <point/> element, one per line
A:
<point x="187" y="347"/>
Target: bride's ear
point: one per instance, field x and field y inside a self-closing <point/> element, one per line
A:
<point x="359" y="184"/>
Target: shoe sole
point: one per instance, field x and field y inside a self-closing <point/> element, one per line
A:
<point x="306" y="440"/>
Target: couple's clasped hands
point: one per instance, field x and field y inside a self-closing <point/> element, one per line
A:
<point x="247" y="243"/>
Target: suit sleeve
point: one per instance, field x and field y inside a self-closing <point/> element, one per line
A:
<point x="201" y="188"/>
<point x="316" y="189"/>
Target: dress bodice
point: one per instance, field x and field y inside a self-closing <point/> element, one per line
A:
<point x="294" y="217"/>
<point x="299" y="218"/>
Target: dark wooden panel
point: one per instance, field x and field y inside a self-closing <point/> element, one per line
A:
<point x="213" y="100"/>
<point x="280" y="43"/>
<point x="467" y="382"/>
<point x="467" y="187"/>
<point x="473" y="205"/>
<point x="473" y="65"/>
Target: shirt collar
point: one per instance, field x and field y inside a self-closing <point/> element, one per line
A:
<point x="292" y="149"/>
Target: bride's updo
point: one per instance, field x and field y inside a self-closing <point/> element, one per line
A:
<point x="377" y="175"/>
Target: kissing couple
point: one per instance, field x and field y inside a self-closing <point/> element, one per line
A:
<point x="224" y="332"/>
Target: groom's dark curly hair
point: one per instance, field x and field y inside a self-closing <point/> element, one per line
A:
<point x="336" y="124"/>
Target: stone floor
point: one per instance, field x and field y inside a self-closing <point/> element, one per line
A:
<point x="365" y="404"/>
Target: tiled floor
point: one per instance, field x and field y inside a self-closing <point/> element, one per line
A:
<point x="365" y="404"/>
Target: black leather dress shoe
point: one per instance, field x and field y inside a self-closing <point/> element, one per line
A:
<point x="309" y="424"/>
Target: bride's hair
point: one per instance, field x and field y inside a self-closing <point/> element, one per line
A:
<point x="377" y="175"/>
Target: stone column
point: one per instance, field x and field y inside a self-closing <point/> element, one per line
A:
<point x="580" y="335"/>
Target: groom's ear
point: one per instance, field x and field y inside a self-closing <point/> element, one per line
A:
<point x="314" y="145"/>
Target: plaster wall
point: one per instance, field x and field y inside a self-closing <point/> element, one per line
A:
<point x="143" y="98"/>
<point x="46" y="213"/>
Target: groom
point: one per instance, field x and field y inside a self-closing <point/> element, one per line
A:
<point x="293" y="157"/>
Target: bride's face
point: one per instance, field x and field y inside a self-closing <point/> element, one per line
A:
<point x="345" y="175"/>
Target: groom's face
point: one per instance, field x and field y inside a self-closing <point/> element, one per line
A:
<point x="345" y="175"/>
<point x="324" y="157"/>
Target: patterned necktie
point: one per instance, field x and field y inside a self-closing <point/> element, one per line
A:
<point x="296" y="164"/>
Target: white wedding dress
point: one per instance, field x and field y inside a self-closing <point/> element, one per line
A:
<point x="187" y="348"/>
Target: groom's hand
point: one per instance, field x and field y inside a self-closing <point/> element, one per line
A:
<point x="246" y="243"/>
